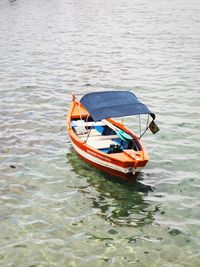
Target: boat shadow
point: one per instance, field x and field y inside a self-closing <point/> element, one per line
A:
<point x="119" y="202"/>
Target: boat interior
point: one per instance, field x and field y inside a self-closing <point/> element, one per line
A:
<point x="100" y="136"/>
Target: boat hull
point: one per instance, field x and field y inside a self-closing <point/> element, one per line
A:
<point x="110" y="168"/>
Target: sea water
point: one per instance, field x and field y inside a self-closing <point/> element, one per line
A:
<point x="55" y="210"/>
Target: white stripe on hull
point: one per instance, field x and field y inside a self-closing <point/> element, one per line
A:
<point x="109" y="165"/>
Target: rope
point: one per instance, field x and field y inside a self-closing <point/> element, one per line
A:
<point x="89" y="132"/>
<point x="79" y="110"/>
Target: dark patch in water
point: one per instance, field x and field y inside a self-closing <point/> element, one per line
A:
<point x="20" y="246"/>
<point x="100" y="238"/>
<point x="112" y="232"/>
<point x="175" y="232"/>
<point x="127" y="197"/>
<point x="12" y="166"/>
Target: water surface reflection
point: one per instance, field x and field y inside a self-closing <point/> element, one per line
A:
<point x="121" y="203"/>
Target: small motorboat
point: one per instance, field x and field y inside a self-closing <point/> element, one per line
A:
<point x="104" y="142"/>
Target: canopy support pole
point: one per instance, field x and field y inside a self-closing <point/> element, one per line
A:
<point x="147" y="127"/>
<point x="140" y="126"/>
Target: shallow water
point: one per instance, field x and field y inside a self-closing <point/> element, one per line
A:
<point x="55" y="210"/>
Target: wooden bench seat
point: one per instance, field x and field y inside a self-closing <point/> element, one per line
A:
<point x="100" y="144"/>
<point x="87" y="124"/>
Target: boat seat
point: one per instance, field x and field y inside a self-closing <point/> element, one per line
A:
<point x="100" y="144"/>
<point x="95" y="138"/>
<point x="96" y="135"/>
<point x="87" y="124"/>
<point x="103" y="137"/>
<point x="93" y="133"/>
<point x="80" y="127"/>
<point x="101" y="141"/>
<point x="92" y="123"/>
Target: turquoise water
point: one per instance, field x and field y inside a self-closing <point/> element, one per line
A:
<point x="55" y="210"/>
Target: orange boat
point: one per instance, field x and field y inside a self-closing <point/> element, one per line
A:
<point x="103" y="142"/>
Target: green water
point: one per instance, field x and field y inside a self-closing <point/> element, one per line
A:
<point x="56" y="210"/>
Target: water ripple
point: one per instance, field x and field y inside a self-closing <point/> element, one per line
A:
<point x="57" y="210"/>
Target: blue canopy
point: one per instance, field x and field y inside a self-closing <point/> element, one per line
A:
<point x="111" y="104"/>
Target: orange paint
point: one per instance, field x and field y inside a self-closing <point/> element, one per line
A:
<point x="125" y="164"/>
